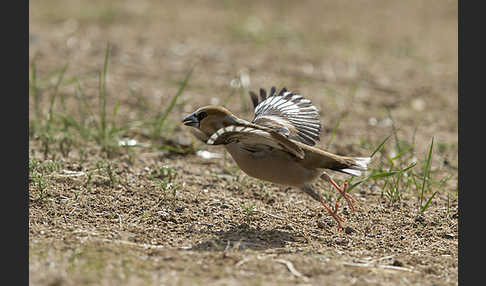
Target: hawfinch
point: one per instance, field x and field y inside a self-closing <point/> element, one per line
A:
<point x="278" y="144"/>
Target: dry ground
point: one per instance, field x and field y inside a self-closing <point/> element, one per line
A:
<point x="160" y="214"/>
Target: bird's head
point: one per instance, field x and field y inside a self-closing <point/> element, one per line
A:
<point x="209" y="119"/>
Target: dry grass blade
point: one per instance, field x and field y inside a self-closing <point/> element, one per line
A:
<point x="292" y="269"/>
<point x="381" y="266"/>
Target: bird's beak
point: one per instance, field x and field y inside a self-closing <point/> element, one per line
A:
<point x="191" y="120"/>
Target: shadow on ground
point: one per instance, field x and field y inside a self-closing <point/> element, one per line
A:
<point x="243" y="237"/>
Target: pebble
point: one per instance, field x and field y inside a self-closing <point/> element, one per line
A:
<point x="420" y="218"/>
<point x="397" y="263"/>
<point x="349" y="230"/>
<point x="448" y="235"/>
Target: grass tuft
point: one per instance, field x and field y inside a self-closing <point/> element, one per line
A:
<point x="248" y="210"/>
<point x="396" y="174"/>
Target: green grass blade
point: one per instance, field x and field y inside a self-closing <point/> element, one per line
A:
<point x="409" y="167"/>
<point x="83" y="104"/>
<point x="228" y="98"/>
<point x="380" y="146"/>
<point x="53" y="98"/>
<point x="384" y="174"/>
<point x="426" y="206"/>
<point x="394" y="132"/>
<point x="161" y="121"/>
<point x="102" y="93"/>
<point x="35" y="89"/>
<point x="349" y="188"/>
<point x="409" y="148"/>
<point x="333" y="133"/>
<point x="426" y="170"/>
<point x="381" y="175"/>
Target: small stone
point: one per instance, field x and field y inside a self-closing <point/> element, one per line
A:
<point x="215" y="203"/>
<point x="448" y="235"/>
<point x="288" y="227"/>
<point x="349" y="230"/>
<point x="397" y="263"/>
<point x="345" y="211"/>
<point x="420" y="218"/>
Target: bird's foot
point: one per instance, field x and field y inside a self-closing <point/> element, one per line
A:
<point x="349" y="199"/>
<point x="334" y="214"/>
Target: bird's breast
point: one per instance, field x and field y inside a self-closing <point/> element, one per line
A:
<point x="270" y="164"/>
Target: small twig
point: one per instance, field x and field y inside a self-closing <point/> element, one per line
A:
<point x="228" y="243"/>
<point x="291" y="268"/>
<point x="72" y="211"/>
<point x="69" y="173"/>
<point x="368" y="259"/>
<point x="391" y="267"/>
<point x="270" y="214"/>
<point x="241" y="262"/>
<point x="120" y="220"/>
<point x="385" y="257"/>
<point x="143" y="245"/>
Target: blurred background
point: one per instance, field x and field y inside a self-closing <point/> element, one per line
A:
<point x="350" y="57"/>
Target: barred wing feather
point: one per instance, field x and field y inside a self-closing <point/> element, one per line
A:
<point x="288" y="113"/>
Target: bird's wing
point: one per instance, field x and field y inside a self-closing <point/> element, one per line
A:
<point x="287" y="113"/>
<point x="252" y="136"/>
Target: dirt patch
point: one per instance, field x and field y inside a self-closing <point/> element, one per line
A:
<point x="160" y="213"/>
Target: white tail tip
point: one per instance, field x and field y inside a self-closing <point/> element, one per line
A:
<point x="361" y="165"/>
<point x="353" y="172"/>
<point x="362" y="162"/>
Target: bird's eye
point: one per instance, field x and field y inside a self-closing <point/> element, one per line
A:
<point x="202" y="115"/>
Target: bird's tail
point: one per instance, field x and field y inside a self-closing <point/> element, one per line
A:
<point x="358" y="164"/>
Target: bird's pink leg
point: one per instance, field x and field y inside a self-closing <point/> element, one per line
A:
<point x="334" y="214"/>
<point x="349" y="199"/>
<point x="318" y="197"/>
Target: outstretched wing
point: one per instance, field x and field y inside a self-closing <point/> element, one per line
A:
<point x="251" y="136"/>
<point x="287" y="113"/>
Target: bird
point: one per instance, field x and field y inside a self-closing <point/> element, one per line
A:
<point x="278" y="145"/>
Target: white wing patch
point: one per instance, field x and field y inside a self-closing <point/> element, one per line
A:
<point x="233" y="128"/>
<point x="221" y="131"/>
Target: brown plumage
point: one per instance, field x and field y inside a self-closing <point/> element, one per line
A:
<point x="278" y="144"/>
